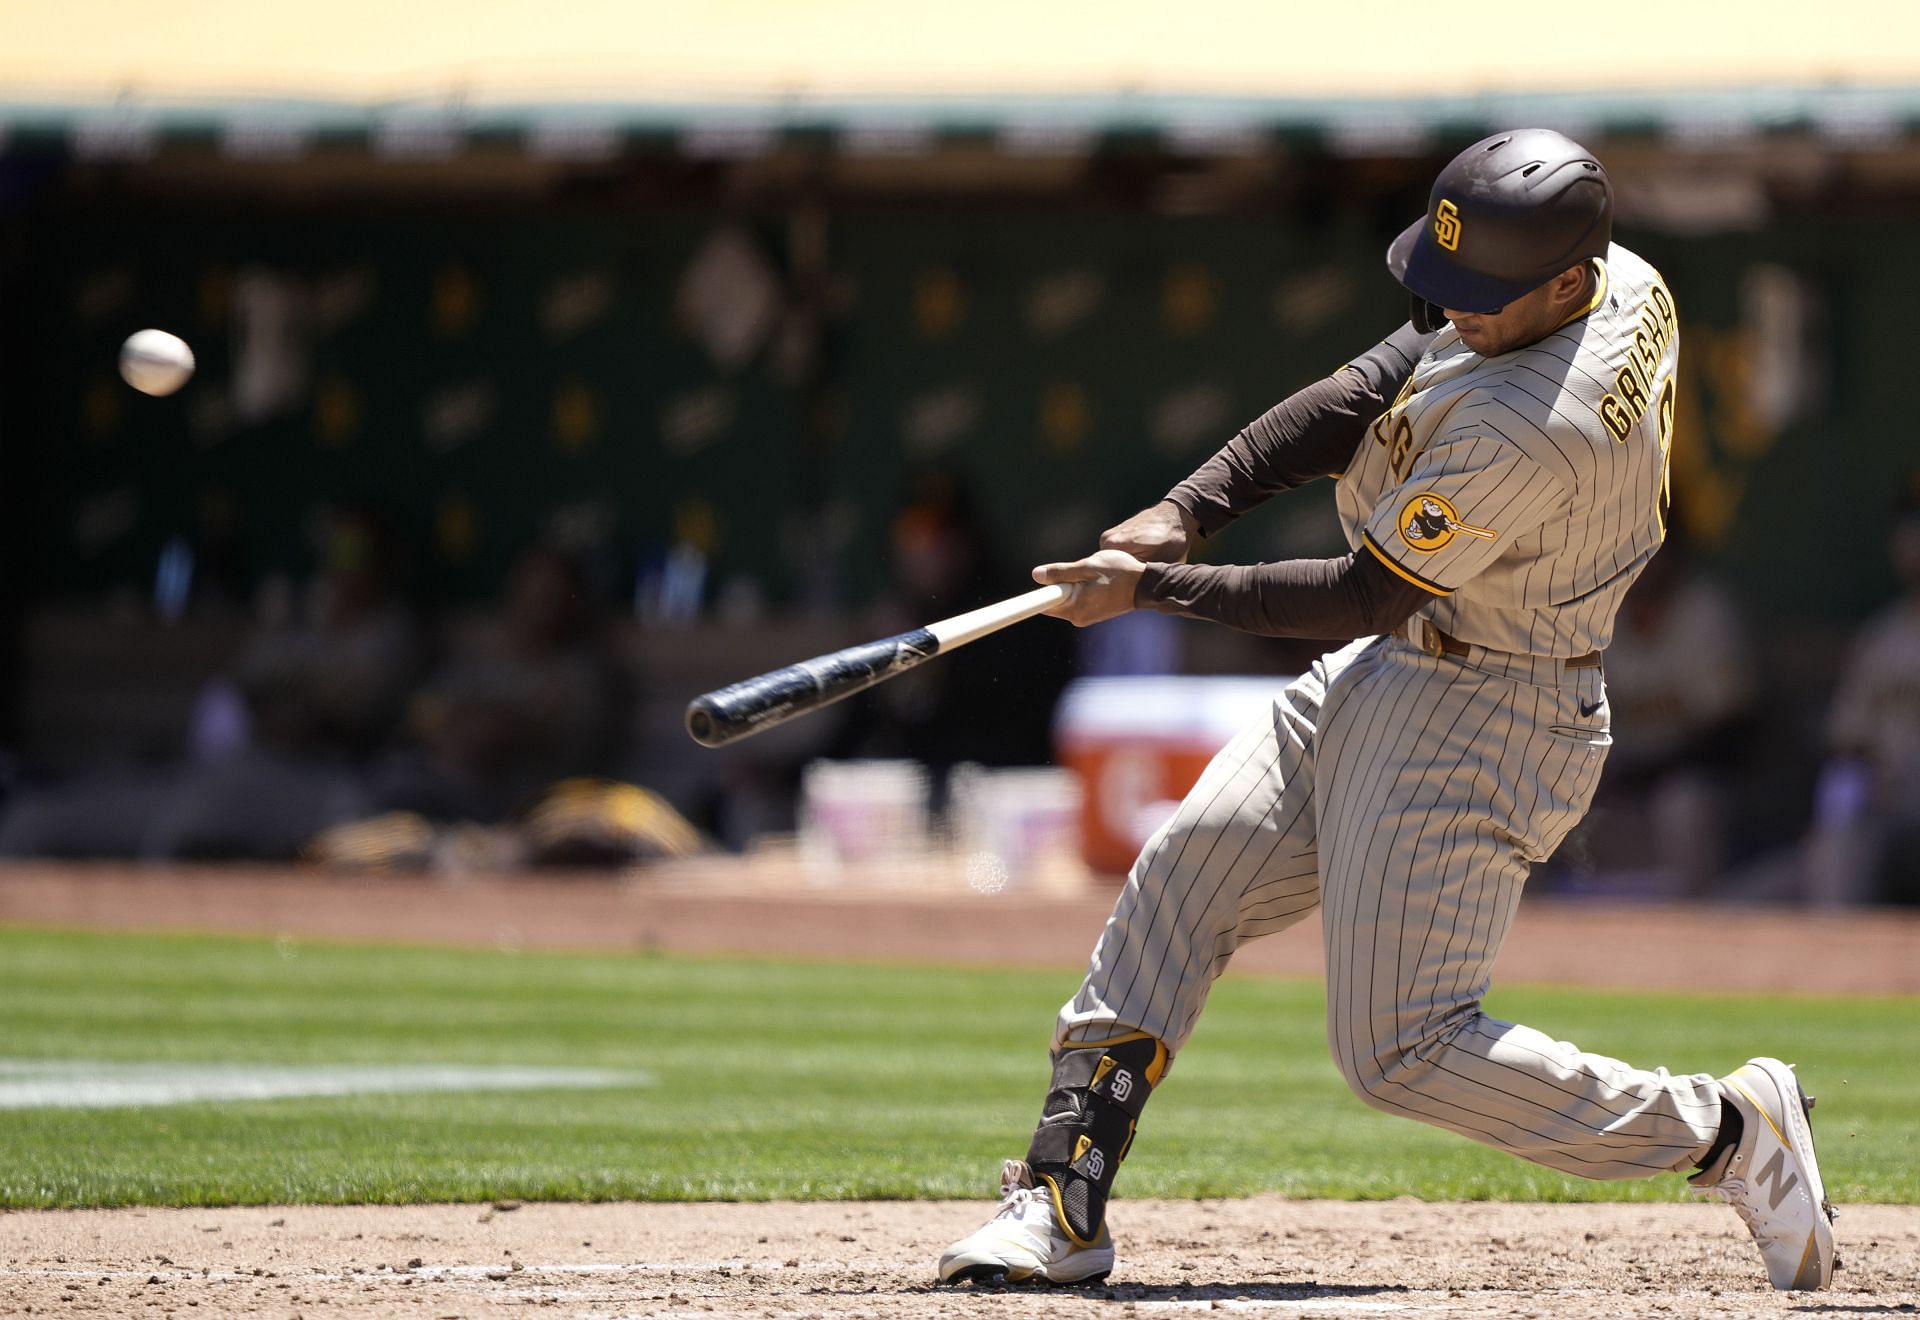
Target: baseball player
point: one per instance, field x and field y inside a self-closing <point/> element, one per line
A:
<point x="1868" y="803"/>
<point x="1501" y="475"/>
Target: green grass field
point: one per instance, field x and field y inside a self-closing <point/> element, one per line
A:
<point x="809" y="1080"/>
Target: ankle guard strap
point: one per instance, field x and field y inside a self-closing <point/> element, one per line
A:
<point x="1086" y="1126"/>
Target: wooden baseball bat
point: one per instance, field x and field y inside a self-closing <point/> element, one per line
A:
<point x="753" y="704"/>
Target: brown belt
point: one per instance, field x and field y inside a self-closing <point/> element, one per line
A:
<point x="1419" y="633"/>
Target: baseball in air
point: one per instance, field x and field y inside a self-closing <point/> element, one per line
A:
<point x="155" y="362"/>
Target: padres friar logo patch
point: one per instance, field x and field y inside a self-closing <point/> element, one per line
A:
<point x="1429" y="523"/>
<point x="1446" y="225"/>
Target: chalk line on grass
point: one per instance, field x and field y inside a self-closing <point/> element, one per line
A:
<point x="98" y="1084"/>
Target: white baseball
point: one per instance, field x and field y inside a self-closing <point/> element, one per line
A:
<point x="155" y="362"/>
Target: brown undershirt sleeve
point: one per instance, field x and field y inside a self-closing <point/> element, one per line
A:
<point x="1354" y="596"/>
<point x="1312" y="433"/>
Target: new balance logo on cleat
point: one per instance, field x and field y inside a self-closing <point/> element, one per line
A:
<point x="1772" y="1179"/>
<point x="1775" y="1174"/>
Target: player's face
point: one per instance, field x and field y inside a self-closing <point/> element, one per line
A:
<point x="1525" y="321"/>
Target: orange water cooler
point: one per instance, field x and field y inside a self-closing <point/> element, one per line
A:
<point x="1138" y="744"/>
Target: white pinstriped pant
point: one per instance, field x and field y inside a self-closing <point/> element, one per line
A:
<point x="1406" y="796"/>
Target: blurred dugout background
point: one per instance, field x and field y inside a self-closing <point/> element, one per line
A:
<point x="621" y="354"/>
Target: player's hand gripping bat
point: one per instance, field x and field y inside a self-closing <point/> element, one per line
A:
<point x="773" y="698"/>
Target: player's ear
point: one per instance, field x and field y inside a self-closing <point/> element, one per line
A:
<point x="1569" y="285"/>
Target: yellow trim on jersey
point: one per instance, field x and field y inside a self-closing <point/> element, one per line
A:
<point x="1387" y="559"/>
<point x="1599" y="295"/>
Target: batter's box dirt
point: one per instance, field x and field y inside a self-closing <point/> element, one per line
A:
<point x="837" y="1261"/>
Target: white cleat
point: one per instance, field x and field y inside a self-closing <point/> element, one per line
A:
<point x="1771" y="1177"/>
<point x="1024" y="1241"/>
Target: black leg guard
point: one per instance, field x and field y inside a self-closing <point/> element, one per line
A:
<point x="1087" y="1124"/>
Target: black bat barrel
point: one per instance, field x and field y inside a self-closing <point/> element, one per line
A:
<point x="758" y="703"/>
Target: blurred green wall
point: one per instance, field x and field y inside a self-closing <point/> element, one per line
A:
<point x="477" y="377"/>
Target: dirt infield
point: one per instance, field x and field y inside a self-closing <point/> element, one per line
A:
<point x="1261" y="1255"/>
<point x="833" y="1260"/>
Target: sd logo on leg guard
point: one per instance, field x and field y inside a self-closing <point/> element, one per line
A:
<point x="1092" y="1108"/>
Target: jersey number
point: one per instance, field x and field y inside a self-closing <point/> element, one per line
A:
<point x="1397" y="441"/>
<point x="1665" y="424"/>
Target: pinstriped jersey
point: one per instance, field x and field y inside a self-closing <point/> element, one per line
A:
<point x="1527" y="491"/>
